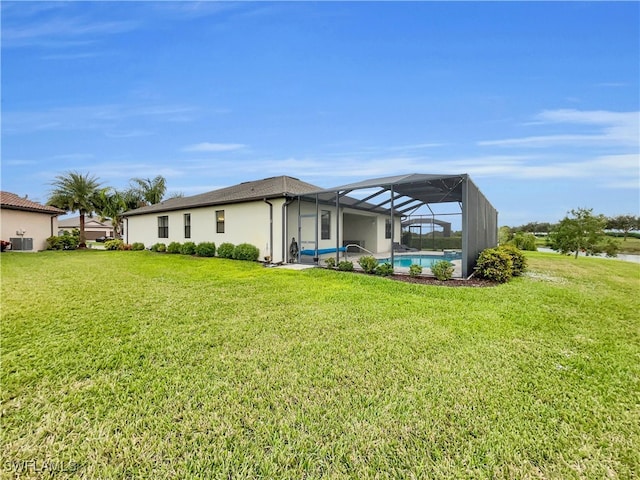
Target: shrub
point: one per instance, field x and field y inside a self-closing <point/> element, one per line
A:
<point x="415" y="270"/>
<point x="188" y="248"/>
<point x="114" y="245"/>
<point x="330" y="262"/>
<point x="225" y="250"/>
<point x="246" y="251"/>
<point x="174" y="247"/>
<point x="611" y="248"/>
<point x="54" y="243"/>
<point x="368" y="263"/>
<point x="137" y="246"/>
<point x="66" y="241"/>
<point x="518" y="260"/>
<point x="159" y="247"/>
<point x="384" y="269"/>
<point x="494" y="264"/>
<point x="345" y="266"/>
<point x="126" y="246"/>
<point x="206" y="249"/>
<point x="524" y="241"/>
<point x="442" y="270"/>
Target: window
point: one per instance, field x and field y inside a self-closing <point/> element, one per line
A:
<point x="187" y="225"/>
<point x="163" y="227"/>
<point x="220" y="221"/>
<point x="387" y="228"/>
<point x="325" y="225"/>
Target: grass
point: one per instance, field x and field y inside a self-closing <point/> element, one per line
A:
<point x="142" y="365"/>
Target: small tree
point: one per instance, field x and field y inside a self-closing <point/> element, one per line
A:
<point x="582" y="231"/>
<point x="111" y="205"/>
<point x="624" y="223"/>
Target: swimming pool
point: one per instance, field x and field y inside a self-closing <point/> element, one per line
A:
<point x="424" y="261"/>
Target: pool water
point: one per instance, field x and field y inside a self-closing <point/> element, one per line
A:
<point x="424" y="261"/>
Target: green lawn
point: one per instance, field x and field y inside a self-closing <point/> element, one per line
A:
<point x="141" y="365"/>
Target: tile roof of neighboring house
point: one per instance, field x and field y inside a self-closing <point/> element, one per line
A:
<point x="74" y="222"/>
<point x="11" y="201"/>
<point x="272" y="187"/>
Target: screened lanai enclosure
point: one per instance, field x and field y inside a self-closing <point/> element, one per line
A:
<point x="395" y="215"/>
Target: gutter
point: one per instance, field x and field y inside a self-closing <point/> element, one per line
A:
<point x="270" y="229"/>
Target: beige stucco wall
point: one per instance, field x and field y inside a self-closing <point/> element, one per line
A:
<point x="249" y="223"/>
<point x="36" y="226"/>
<point x="244" y="223"/>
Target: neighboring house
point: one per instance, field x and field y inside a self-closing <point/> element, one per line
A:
<point x="27" y="224"/>
<point x="93" y="228"/>
<point x="269" y="213"/>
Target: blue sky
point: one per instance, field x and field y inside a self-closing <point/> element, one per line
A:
<point x="537" y="101"/>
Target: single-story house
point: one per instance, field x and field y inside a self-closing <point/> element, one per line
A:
<point x="93" y="228"/>
<point x="27" y="224"/>
<point x="273" y="212"/>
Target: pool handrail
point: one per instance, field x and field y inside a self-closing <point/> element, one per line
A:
<point x="346" y="251"/>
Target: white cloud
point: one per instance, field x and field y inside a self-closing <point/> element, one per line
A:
<point x="213" y="147"/>
<point x="614" y="129"/>
<point x="58" y="32"/>
<point x="90" y="117"/>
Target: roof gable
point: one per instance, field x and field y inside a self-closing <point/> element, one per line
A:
<point x="11" y="201"/>
<point x="273" y="187"/>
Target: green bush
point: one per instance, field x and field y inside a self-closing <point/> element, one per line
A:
<point x="442" y="269"/>
<point x="137" y="246"/>
<point x="174" y="247"/>
<point x="610" y="248"/>
<point x="246" y="251"/>
<point x="384" y="269"/>
<point x="368" y="263"/>
<point x="345" y="266"/>
<point x="54" y="243"/>
<point x="225" y="250"/>
<point x="159" y="247"/>
<point x="494" y="264"/>
<point x="330" y="262"/>
<point x="114" y="245"/>
<point x="188" y="248"/>
<point x="524" y="241"/>
<point x="415" y="270"/>
<point x="518" y="260"/>
<point x="66" y="241"/>
<point x="206" y="249"/>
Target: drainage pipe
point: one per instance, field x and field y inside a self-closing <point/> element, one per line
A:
<point x="270" y="229"/>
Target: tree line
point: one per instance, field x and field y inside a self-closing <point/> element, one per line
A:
<point x="85" y="194"/>
<point x="620" y="223"/>
<point x="580" y="231"/>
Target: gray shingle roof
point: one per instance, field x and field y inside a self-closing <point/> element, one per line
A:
<point x="12" y="201"/>
<point x="272" y="187"/>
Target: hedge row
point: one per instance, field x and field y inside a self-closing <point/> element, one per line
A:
<point x="243" y="251"/>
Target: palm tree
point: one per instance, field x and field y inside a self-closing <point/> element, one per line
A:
<point x="112" y="206"/>
<point x="150" y="190"/>
<point x="76" y="192"/>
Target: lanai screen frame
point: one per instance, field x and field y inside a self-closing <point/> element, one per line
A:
<point x="408" y="193"/>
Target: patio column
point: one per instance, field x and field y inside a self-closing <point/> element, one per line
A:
<point x="315" y="256"/>
<point x="392" y="225"/>
<point x="337" y="228"/>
